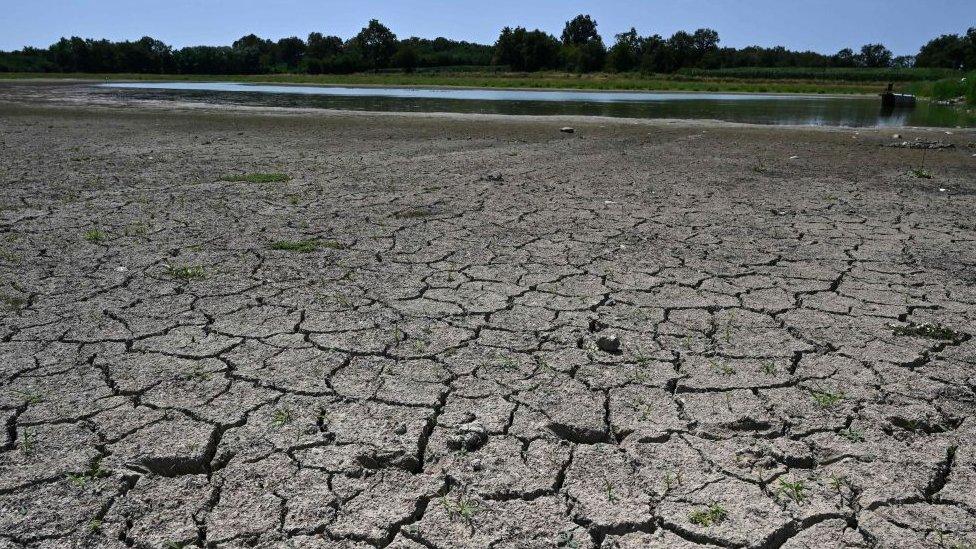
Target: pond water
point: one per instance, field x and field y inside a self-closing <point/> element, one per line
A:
<point x="775" y="109"/>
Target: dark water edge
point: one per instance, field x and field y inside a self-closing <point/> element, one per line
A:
<point x="767" y="109"/>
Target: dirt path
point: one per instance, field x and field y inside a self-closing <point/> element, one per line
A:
<point x="480" y="332"/>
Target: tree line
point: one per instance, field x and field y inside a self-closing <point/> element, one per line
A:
<point x="580" y="48"/>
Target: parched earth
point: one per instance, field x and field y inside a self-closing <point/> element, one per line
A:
<point x="448" y="331"/>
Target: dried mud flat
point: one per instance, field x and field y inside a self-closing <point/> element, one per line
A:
<point x="480" y="332"/>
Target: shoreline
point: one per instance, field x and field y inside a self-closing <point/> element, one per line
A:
<point x="102" y="102"/>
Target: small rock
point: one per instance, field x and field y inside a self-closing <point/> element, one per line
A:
<point x="896" y="136"/>
<point x="609" y="344"/>
<point x="477" y="465"/>
<point x="468" y="417"/>
<point x="470" y="437"/>
<point x="495" y="177"/>
<point x="567" y="129"/>
<point x="401" y="429"/>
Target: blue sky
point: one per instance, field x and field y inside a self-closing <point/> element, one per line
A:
<point x="820" y="25"/>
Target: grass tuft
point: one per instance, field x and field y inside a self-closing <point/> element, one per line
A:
<point x="187" y="273"/>
<point x="301" y="246"/>
<point x="796" y="491"/>
<point x="920" y="173"/>
<point x="95" y="236"/>
<point x="930" y="331"/>
<point x="714" y="514"/>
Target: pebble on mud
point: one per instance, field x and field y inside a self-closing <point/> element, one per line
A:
<point x="470" y="437"/>
<point x="567" y="129"/>
<point x="609" y="344"/>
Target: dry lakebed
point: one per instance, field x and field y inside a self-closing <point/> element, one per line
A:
<point x="261" y="327"/>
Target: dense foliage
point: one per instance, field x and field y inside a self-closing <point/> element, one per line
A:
<point x="579" y="49"/>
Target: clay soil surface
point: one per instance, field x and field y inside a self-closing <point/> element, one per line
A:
<point x="269" y="328"/>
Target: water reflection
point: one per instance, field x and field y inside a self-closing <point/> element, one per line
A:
<point x="774" y="109"/>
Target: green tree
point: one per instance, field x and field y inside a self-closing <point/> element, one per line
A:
<point x="290" y="51"/>
<point x="844" y="58"/>
<point x="875" y="56"/>
<point x="376" y="43"/>
<point x="322" y="47"/>
<point x="406" y="57"/>
<point x="580" y="30"/>
<point x="625" y="54"/>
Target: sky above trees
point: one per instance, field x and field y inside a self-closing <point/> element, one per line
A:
<point x="820" y="25"/>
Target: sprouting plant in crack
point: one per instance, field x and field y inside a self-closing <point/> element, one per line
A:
<point x="543" y="364"/>
<point x="826" y="399"/>
<point x="30" y="397"/>
<point x="95" y="235"/>
<point x="94" y="526"/>
<point x="281" y="417"/>
<point x="174" y="544"/>
<point x="95" y="471"/>
<point x="462" y="507"/>
<point x="728" y="328"/>
<point x="670" y="481"/>
<point x="723" y="368"/>
<point x="769" y="368"/>
<point x="686" y="342"/>
<point x="136" y="229"/>
<point x="853" y="435"/>
<point x="795" y="490"/>
<point x="508" y="363"/>
<point x="198" y="373"/>
<point x="930" y="331"/>
<point x="844" y="488"/>
<point x="608" y="489"/>
<point x="28" y="440"/>
<point x="300" y="246"/>
<point x="710" y="516"/>
<point x="186" y="273"/>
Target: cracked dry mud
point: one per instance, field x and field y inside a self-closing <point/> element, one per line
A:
<point x="795" y="367"/>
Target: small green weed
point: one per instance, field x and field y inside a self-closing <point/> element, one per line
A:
<point x="95" y="236"/>
<point x="281" y="417"/>
<point x="608" y="489"/>
<point x="94" y="471"/>
<point x="826" y="399"/>
<point x="301" y="246"/>
<point x="921" y="173"/>
<point x="463" y="507"/>
<point x="186" y="273"/>
<point x="930" y="331"/>
<point x="714" y="514"/>
<point x="796" y="491"/>
<point x="28" y="440"/>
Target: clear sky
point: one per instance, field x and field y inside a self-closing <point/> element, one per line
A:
<point x="820" y="25"/>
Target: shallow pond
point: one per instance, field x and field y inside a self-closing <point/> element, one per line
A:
<point x="774" y="109"/>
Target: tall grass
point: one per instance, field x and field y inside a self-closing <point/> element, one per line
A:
<point x="824" y="73"/>
<point x="948" y="88"/>
<point x="540" y="80"/>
